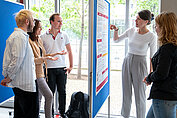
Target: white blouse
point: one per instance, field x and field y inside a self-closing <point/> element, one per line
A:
<point x="138" y="44"/>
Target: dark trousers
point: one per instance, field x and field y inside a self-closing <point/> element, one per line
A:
<point x="57" y="77"/>
<point x="26" y="104"/>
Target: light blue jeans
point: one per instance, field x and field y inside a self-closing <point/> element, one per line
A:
<point x="162" y="109"/>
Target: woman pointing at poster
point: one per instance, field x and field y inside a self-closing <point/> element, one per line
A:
<point x="134" y="68"/>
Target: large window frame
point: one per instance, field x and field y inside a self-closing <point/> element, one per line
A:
<point x="124" y="45"/>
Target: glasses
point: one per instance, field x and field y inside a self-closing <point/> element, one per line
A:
<point x="60" y="21"/>
<point x="155" y="26"/>
<point x="34" y="21"/>
<point x="40" y="27"/>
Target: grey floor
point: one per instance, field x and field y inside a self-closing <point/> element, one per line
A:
<point x="74" y="85"/>
<point x="5" y="113"/>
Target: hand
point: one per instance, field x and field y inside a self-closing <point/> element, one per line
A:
<point x="147" y="83"/>
<point x="62" y="53"/>
<point x="113" y="27"/>
<point x="52" y="58"/>
<point x="5" y="81"/>
<point x="68" y="70"/>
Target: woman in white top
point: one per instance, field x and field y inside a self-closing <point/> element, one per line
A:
<point x="134" y="68"/>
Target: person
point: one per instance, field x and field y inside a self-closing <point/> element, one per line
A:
<point x="134" y="67"/>
<point x="40" y="61"/>
<point x="19" y="68"/>
<point x="164" y="76"/>
<point x="55" y="40"/>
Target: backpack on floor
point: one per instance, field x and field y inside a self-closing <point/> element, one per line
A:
<point x="79" y="106"/>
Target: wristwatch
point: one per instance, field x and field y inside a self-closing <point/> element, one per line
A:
<point x="116" y="29"/>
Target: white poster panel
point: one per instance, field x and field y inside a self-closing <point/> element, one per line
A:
<point x="102" y="44"/>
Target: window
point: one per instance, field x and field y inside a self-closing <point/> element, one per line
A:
<point x="117" y="50"/>
<point x="71" y="12"/>
<point x="42" y="10"/>
<point x="118" y="18"/>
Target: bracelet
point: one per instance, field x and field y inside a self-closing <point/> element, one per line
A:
<point x="116" y="29"/>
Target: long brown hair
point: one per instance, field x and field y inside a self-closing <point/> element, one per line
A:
<point x="167" y="22"/>
<point x="33" y="35"/>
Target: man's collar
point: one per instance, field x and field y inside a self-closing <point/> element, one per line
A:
<point x="19" y="29"/>
<point x="48" y="32"/>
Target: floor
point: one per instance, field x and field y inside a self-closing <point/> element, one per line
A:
<point x="74" y="85"/>
<point x="8" y="113"/>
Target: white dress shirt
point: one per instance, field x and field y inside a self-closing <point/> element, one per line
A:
<point x="18" y="61"/>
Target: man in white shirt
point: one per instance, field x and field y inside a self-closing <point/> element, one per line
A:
<point x="19" y="68"/>
<point x="54" y="40"/>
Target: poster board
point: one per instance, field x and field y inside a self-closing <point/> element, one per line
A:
<point x="7" y="23"/>
<point x="99" y="43"/>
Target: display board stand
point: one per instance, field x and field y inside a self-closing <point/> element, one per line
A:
<point x="99" y="55"/>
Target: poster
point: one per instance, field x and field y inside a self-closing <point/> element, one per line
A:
<point x="102" y="44"/>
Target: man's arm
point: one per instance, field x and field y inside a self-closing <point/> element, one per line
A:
<point x="18" y="51"/>
<point x="70" y="55"/>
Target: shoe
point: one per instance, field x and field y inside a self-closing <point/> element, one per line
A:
<point x="64" y="116"/>
<point x="56" y="116"/>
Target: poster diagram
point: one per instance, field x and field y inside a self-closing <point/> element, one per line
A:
<point x="102" y="44"/>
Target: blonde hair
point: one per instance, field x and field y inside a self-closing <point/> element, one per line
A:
<point x="21" y="17"/>
<point x="167" y="22"/>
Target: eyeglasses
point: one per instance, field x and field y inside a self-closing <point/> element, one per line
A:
<point x="34" y="21"/>
<point x="60" y="21"/>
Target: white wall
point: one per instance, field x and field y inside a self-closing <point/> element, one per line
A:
<point x="168" y="5"/>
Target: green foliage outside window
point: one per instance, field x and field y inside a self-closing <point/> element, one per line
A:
<point x="43" y="12"/>
<point x="152" y="5"/>
<point x="71" y="11"/>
